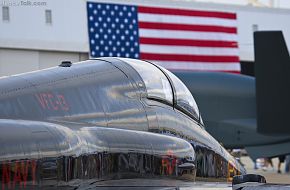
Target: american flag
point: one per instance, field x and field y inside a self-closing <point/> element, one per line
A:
<point x="177" y="39"/>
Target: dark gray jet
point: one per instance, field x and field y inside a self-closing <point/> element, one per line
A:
<point x="243" y="112"/>
<point x="98" y="122"/>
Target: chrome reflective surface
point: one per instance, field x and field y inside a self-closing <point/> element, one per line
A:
<point x="54" y="155"/>
<point x="66" y="127"/>
<point x="157" y="85"/>
<point x="184" y="99"/>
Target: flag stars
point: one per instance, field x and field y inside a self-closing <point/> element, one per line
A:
<point x="90" y="6"/>
<point x="113" y="30"/>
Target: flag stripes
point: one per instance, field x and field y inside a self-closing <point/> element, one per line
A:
<point x="184" y="42"/>
<point x="189" y="39"/>
<point x="183" y="12"/>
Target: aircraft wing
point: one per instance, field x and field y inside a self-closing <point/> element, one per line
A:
<point x="268" y="150"/>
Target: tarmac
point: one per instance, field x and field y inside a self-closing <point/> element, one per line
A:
<point x="271" y="174"/>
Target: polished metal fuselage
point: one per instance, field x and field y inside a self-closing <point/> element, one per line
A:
<point x="72" y="126"/>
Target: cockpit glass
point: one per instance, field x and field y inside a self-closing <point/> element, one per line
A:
<point x="157" y="85"/>
<point x="185" y="100"/>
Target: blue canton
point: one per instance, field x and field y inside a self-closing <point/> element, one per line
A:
<point x="113" y="30"/>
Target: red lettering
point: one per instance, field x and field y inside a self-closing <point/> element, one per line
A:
<point x="33" y="168"/>
<point x="63" y="102"/>
<point x="17" y="175"/>
<point x="24" y="169"/>
<point x="164" y="164"/>
<point x="171" y="165"/>
<point x="41" y="100"/>
<point x="52" y="102"/>
<point x="171" y="162"/>
<point x="49" y="101"/>
<point x="21" y="172"/>
<point x="45" y="98"/>
<point x="5" y="175"/>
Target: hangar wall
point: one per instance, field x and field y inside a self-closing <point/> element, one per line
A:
<point x="14" y="61"/>
<point x="28" y="42"/>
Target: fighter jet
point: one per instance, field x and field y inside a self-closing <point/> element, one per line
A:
<point x="246" y="112"/>
<point x="80" y="125"/>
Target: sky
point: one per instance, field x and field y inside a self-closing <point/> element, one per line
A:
<point x="277" y="3"/>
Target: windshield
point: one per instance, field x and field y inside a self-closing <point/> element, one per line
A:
<point x="157" y="85"/>
<point x="184" y="98"/>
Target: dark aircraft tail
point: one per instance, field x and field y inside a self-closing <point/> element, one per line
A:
<point x="272" y="71"/>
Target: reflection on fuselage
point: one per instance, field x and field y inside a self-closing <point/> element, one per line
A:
<point x="69" y="145"/>
<point x="93" y="153"/>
